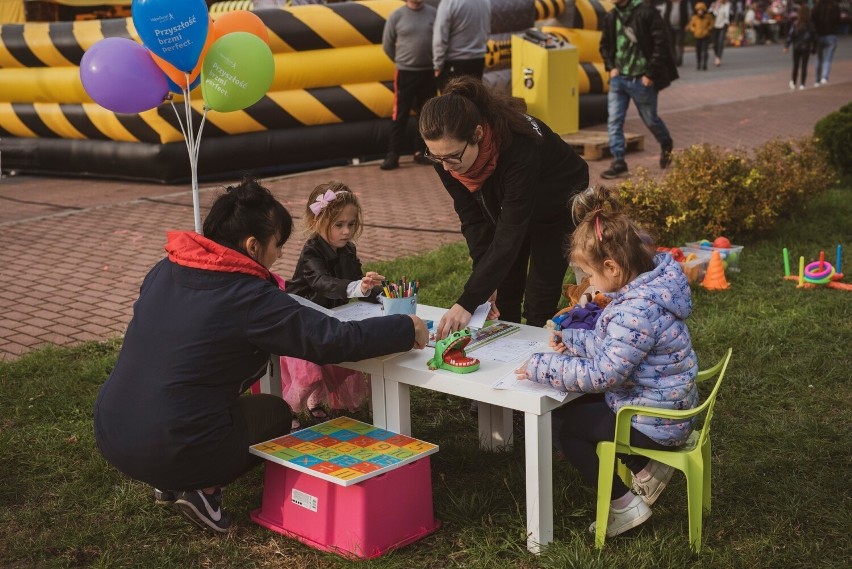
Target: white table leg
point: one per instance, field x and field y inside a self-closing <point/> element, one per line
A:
<point x="377" y="397"/>
<point x="398" y="407"/>
<point x="495" y="427"/>
<point x="483" y="419"/>
<point x="502" y="427"/>
<point x="539" y="472"/>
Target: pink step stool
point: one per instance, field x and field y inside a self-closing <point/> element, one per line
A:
<point x="364" y="520"/>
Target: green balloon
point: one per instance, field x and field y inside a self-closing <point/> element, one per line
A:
<point x="236" y="72"/>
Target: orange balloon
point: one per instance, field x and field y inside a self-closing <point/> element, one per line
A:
<point x="176" y="74"/>
<point x="241" y="21"/>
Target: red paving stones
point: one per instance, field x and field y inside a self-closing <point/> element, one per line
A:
<point x="74" y="252"/>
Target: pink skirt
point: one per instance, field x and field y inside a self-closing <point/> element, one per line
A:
<point x="339" y="387"/>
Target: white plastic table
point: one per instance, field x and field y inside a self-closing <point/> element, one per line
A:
<point x="495" y="416"/>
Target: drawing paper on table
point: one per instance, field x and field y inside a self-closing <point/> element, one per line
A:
<point x="477" y="320"/>
<point x="314" y="305"/>
<point x="506" y="350"/>
<point x="511" y="381"/>
<point x="357" y="311"/>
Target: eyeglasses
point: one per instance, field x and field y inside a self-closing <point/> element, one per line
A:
<point x="450" y="159"/>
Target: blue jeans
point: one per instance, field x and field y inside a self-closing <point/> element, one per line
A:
<point x="825" y="53"/>
<point x="621" y="91"/>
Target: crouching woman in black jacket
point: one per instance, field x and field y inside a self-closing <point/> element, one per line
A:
<point x="209" y="316"/>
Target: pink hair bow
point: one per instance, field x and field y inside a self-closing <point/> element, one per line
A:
<point x="322" y="201"/>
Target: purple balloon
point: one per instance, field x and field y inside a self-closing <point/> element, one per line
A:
<point x="120" y="75"/>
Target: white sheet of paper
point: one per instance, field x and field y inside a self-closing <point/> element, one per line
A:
<point x="508" y="349"/>
<point x="357" y="311"/>
<point x="305" y="302"/>
<point x="479" y="315"/>
<point x="510" y="381"/>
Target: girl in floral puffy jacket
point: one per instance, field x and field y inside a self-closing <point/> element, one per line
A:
<point x="639" y="353"/>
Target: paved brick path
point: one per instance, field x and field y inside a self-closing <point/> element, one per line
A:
<point x="74" y="252"/>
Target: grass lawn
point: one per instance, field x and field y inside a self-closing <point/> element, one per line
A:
<point x="781" y="445"/>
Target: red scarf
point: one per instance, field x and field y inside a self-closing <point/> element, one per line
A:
<point x="485" y="163"/>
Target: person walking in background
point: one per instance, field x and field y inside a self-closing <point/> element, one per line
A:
<point x="407" y="40"/>
<point x="749" y="23"/>
<point x="636" y="53"/>
<point x="802" y="37"/>
<point x="676" y="14"/>
<point x="459" y="39"/>
<point x="700" y="25"/>
<point x="721" y="9"/>
<point x="826" y="19"/>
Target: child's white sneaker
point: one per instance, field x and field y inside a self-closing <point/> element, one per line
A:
<point x="619" y="521"/>
<point x="801" y="87"/>
<point x="650" y="486"/>
<point x="792" y="86"/>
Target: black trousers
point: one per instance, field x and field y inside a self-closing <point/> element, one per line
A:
<point x="411" y="90"/>
<point x="720" y="35"/>
<point x="457" y="67"/>
<point x="255" y="418"/>
<point x="266" y="417"/>
<point x="535" y="278"/>
<point x="579" y="425"/>
<point x="800" y="60"/>
<point x="702" y="46"/>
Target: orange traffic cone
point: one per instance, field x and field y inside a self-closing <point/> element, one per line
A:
<point x="715" y="277"/>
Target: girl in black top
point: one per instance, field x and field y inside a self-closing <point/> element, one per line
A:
<point x="511" y="179"/>
<point x="328" y="273"/>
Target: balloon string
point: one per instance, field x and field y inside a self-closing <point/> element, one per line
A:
<point x="192" y="145"/>
<point x="198" y="137"/>
<point x="187" y="107"/>
<point x="192" y="148"/>
<point x="180" y="123"/>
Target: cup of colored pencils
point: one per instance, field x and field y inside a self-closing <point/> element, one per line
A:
<point x="400" y="296"/>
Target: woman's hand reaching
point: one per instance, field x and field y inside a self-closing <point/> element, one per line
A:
<point x="493" y="312"/>
<point x="421" y="332"/>
<point x="453" y="320"/>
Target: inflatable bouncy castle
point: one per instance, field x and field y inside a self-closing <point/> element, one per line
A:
<point x="329" y="102"/>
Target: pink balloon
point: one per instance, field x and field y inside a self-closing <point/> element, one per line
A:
<point x="120" y="75"/>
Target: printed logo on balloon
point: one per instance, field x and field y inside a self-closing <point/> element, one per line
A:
<point x="173" y="31"/>
<point x="236" y="72"/>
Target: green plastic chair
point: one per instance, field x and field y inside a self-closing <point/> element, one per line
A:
<point x="693" y="458"/>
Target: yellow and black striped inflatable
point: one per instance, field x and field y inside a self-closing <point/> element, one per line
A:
<point x="332" y="85"/>
<point x="589" y="14"/>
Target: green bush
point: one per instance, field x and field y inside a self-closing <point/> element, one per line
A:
<point x="710" y="191"/>
<point x="833" y="133"/>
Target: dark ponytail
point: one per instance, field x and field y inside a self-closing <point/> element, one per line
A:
<point x="247" y="210"/>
